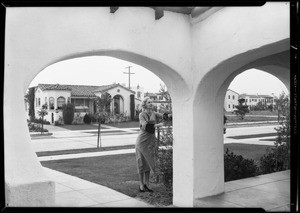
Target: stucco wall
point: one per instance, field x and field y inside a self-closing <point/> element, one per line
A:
<point x="230" y="102"/>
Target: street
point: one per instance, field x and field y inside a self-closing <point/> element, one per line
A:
<point x="81" y="139"/>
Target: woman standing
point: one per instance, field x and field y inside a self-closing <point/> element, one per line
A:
<point x="145" y="143"/>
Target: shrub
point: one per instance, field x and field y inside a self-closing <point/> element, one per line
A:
<point x="38" y="120"/>
<point x="275" y="160"/>
<point x="237" y="167"/>
<point x="68" y="113"/>
<point x="87" y="119"/>
<point x="164" y="159"/>
<point x="77" y="119"/>
<point x="36" y="128"/>
<point x="278" y="157"/>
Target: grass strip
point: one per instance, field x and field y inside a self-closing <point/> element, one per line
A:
<point x="253" y="136"/>
<point x="76" y="151"/>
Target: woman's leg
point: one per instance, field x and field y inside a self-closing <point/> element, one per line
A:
<point x="141" y="175"/>
<point x="147" y="175"/>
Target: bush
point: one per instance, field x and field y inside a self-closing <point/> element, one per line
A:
<point x="164" y="159"/>
<point x="278" y="157"/>
<point x="87" y="119"/>
<point x="237" y="167"/>
<point x="68" y="113"/>
<point x="38" y="120"/>
<point x="35" y="128"/>
<point x="77" y="119"/>
<point x="275" y="160"/>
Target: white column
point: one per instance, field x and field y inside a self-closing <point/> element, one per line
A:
<point x="26" y="183"/>
<point x="183" y="154"/>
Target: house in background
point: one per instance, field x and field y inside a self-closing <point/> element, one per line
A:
<point x="252" y="100"/>
<point x="82" y="97"/>
<point x="231" y="100"/>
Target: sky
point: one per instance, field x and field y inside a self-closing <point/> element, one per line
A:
<point x="102" y="70"/>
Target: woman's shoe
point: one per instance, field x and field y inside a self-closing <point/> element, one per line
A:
<point x="147" y="189"/>
<point x="141" y="190"/>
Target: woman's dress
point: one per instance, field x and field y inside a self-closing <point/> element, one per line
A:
<point x="145" y="143"/>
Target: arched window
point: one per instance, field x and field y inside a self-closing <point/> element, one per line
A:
<point x="60" y="102"/>
<point x="51" y="103"/>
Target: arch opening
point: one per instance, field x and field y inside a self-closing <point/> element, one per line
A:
<point x="118" y="105"/>
<point x="209" y="110"/>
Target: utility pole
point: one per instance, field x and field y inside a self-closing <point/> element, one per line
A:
<point x="129" y="73"/>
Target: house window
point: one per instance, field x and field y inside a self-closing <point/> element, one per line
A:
<point x="39" y="102"/>
<point x="80" y="102"/>
<point x="228" y="96"/>
<point x="233" y="106"/>
<point x="233" y="97"/>
<point x="228" y="105"/>
<point x="60" y="102"/>
<point x="51" y="103"/>
<point x="69" y="100"/>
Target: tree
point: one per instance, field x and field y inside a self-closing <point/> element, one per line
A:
<point x="29" y="98"/>
<point x="132" y="110"/>
<point x="260" y="106"/>
<point x="42" y="113"/>
<point x="280" y="105"/>
<point x="166" y="96"/>
<point x="277" y="158"/>
<point x="102" y="111"/>
<point x="68" y="113"/>
<point x="241" y="108"/>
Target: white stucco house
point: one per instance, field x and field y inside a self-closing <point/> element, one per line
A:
<point x="252" y="100"/>
<point x="231" y="100"/>
<point x="82" y="96"/>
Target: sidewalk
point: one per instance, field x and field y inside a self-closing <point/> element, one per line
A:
<point x="71" y="191"/>
<point x="270" y="192"/>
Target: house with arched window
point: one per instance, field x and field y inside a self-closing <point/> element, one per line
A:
<point x="82" y="97"/>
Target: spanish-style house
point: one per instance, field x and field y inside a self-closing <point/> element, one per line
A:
<point x="231" y="100"/>
<point x="252" y="100"/>
<point x="82" y="97"/>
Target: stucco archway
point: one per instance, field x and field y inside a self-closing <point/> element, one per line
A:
<point x="208" y="111"/>
<point x="24" y="151"/>
<point x="186" y="61"/>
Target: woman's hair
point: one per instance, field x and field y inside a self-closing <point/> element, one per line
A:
<point x="144" y="102"/>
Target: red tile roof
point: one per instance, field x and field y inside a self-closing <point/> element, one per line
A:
<point x="80" y="90"/>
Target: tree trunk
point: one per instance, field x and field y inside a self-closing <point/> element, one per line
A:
<point x="99" y="136"/>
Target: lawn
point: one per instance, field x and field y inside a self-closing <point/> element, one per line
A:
<point x="236" y="119"/>
<point x="129" y="124"/>
<point x="264" y="112"/>
<point x="119" y="172"/>
<point x="81" y="127"/>
<point x="86" y="150"/>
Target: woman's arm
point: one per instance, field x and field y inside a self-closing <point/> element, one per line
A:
<point x="143" y="121"/>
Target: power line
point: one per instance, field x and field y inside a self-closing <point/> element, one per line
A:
<point x="129" y="73"/>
